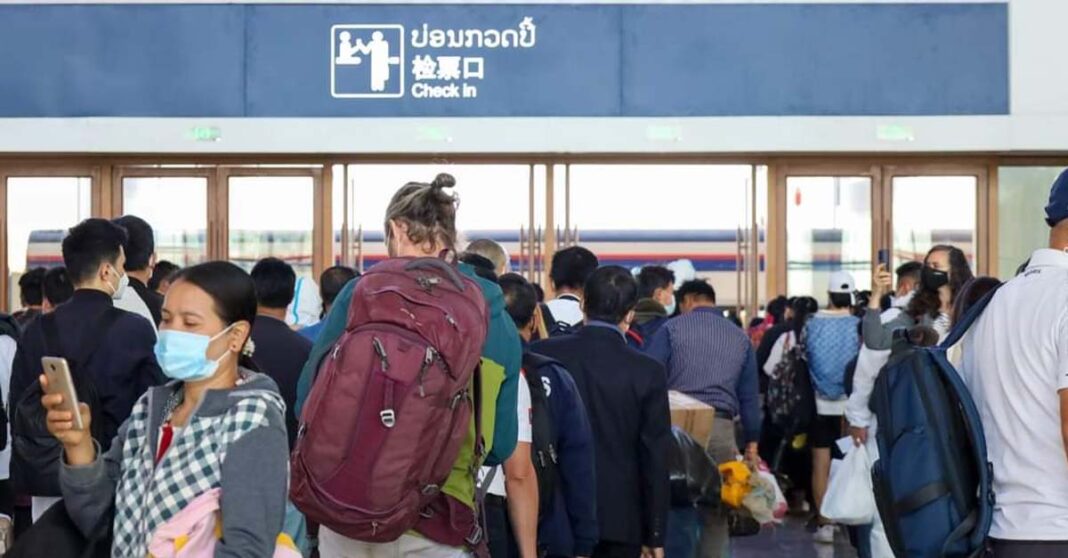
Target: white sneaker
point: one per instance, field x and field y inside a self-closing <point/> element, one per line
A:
<point x="6" y="535"/>
<point x="824" y="535"/>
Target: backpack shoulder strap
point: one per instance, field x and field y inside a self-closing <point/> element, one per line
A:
<point x="534" y="361"/>
<point x="969" y="318"/>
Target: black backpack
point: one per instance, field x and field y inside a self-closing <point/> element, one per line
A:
<point x="35" y="455"/>
<point x="552" y="326"/>
<point x="791" y="401"/>
<point x="543" y="444"/>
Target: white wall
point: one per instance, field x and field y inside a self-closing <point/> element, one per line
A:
<point x="1038" y="123"/>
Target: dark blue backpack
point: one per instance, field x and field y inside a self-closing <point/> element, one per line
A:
<point x="932" y="479"/>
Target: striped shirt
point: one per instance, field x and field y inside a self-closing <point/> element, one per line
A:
<point x="710" y="359"/>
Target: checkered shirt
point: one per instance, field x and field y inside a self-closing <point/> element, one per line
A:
<point x="148" y="494"/>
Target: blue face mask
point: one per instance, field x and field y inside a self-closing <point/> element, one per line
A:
<point x="670" y="308"/>
<point x="183" y="355"/>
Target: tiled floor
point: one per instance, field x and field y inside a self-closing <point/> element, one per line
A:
<point x="790" y="540"/>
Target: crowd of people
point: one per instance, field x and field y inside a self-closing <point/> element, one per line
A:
<point x="441" y="406"/>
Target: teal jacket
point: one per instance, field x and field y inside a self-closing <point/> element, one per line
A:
<point x="502" y="348"/>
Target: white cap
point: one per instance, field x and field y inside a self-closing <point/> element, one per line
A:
<point x="841" y="282"/>
<point x="684" y="271"/>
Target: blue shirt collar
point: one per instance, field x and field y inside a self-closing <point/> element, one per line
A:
<point x="598" y="323"/>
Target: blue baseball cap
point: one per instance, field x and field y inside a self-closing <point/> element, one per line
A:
<point x="1057" y="210"/>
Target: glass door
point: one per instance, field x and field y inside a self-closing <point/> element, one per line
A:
<point x="654" y="214"/>
<point x="175" y="203"/>
<point x="38" y="212"/>
<point x="933" y="207"/>
<point x="829" y="227"/>
<point x="495" y="204"/>
<point x="272" y="213"/>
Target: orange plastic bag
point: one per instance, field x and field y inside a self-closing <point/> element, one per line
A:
<point x="736" y="485"/>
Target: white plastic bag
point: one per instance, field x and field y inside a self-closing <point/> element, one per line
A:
<point x="850" y="499"/>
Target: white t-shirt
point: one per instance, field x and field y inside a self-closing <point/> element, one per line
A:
<point x="1015" y="362"/>
<point x="567" y="309"/>
<point x="131" y="302"/>
<point x="525" y="434"/>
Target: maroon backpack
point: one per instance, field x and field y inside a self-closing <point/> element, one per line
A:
<point x="392" y="403"/>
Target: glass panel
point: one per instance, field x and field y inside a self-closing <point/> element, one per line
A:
<point x="272" y="216"/>
<point x="1022" y="196"/>
<point x="177" y="209"/>
<point x="494" y="201"/>
<point x="695" y="214"/>
<point x="39" y="212"/>
<point x="921" y="218"/>
<point x="828" y="228"/>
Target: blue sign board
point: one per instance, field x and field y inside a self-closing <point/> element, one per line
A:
<point x="267" y="60"/>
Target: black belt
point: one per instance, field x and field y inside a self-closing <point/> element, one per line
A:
<point x="725" y="415"/>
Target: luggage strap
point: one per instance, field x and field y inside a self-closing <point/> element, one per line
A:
<point x="920" y="498"/>
<point x="962" y="531"/>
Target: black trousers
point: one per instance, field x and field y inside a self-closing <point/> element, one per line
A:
<point x="605" y="549"/>
<point x="1028" y="549"/>
<point x="499" y="536"/>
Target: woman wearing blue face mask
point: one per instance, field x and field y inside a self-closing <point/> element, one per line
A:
<point x="217" y="425"/>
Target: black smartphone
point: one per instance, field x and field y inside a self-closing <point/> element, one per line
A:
<point x="884" y="257"/>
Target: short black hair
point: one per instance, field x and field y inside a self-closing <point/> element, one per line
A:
<point x="519" y="298"/>
<point x="57" y="286"/>
<point x="275" y="281"/>
<point x="653" y="277"/>
<point x="333" y="280"/>
<point x="539" y="291"/>
<point x="609" y="294"/>
<point x="697" y="287"/>
<point x="841" y="300"/>
<point x="913" y="270"/>
<point x="90" y="243"/>
<point x="140" y="242"/>
<point x="777" y="308"/>
<point x="31" y="286"/>
<point x="163" y="271"/>
<point x="484" y="267"/>
<point x="572" y="267"/>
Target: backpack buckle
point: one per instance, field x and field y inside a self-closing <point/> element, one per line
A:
<point x="389" y="418"/>
<point x="476" y="535"/>
<point x="431" y="490"/>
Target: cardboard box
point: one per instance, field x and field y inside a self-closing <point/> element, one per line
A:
<point x="692" y="416"/>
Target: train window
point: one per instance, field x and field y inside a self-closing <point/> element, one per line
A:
<point x="177" y="209"/>
<point x="634" y="215"/>
<point x="930" y="210"/>
<point x="272" y="216"/>
<point x="1022" y="196"/>
<point x="494" y="202"/>
<point x="828" y="228"/>
<point x="39" y="212"/>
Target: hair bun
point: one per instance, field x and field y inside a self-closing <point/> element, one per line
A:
<point x="442" y="181"/>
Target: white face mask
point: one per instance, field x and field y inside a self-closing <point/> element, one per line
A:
<point x="124" y="281"/>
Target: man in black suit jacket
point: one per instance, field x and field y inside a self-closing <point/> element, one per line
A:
<point x="111" y="348"/>
<point x="625" y="393"/>
<point x="280" y="352"/>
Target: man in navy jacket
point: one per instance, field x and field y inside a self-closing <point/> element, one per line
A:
<point x="569" y="526"/>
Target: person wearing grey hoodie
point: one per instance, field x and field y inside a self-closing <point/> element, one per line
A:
<point x="217" y="425"/>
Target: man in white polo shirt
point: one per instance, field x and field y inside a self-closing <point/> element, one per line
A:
<point x="1016" y="366"/>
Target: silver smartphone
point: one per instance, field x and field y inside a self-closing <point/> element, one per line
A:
<point x="57" y="371"/>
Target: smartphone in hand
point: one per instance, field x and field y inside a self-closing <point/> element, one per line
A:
<point x="57" y="371"/>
